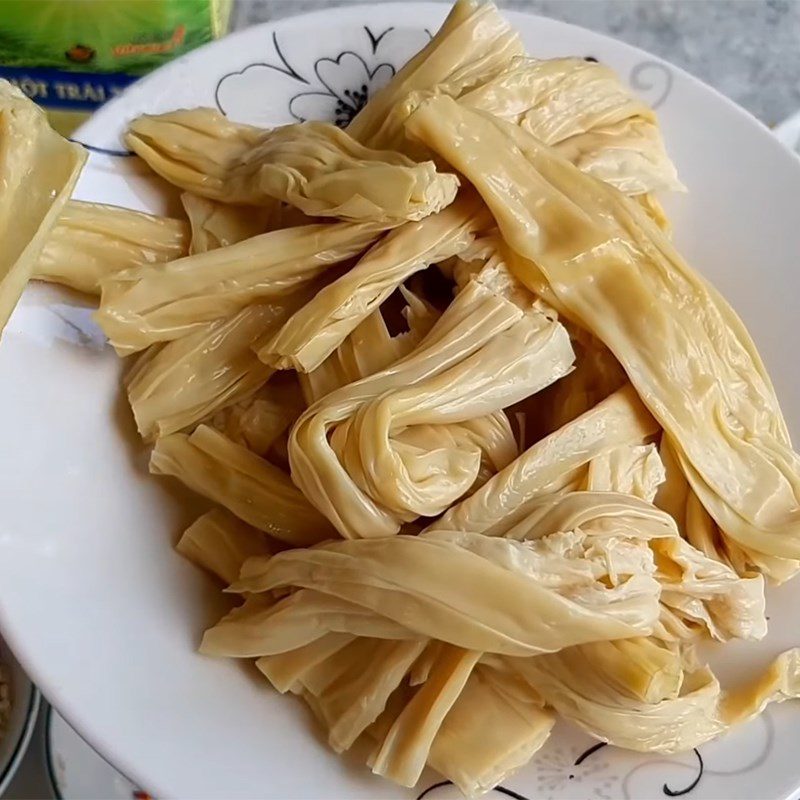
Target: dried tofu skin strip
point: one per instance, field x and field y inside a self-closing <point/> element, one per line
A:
<point x="487" y="736"/>
<point x="556" y="99"/>
<point x="583" y="110"/>
<point x="260" y="421"/>
<point x="596" y="376"/>
<point x="422" y="667"/>
<point x="700" y="594"/>
<point x="482" y="593"/>
<point x="349" y="690"/>
<point x="483" y="354"/>
<point x="485" y="443"/>
<point x="220" y="543"/>
<point x="370" y="348"/>
<point x="286" y="670"/>
<point x="191" y="378"/>
<point x="606" y="260"/>
<point x="313" y="166"/>
<point x="630" y="156"/>
<point x="595" y="513"/>
<point x="597" y="373"/>
<point x="556" y="462"/>
<point x="192" y="148"/>
<point x="708" y="595"/>
<point x="484" y="260"/>
<point x="293" y="622"/>
<point x="634" y="690"/>
<point x="403" y="753"/>
<point x="318" y="328"/>
<point x="91" y="242"/>
<point x="214" y="224"/>
<point x="629" y="469"/>
<point x="639" y="695"/>
<point x="491" y="434"/>
<point x="696" y="525"/>
<point x="474" y="43"/>
<point x="248" y="486"/>
<point x="655" y="211"/>
<point x="163" y="302"/>
<point x="38" y="170"/>
<point x="779" y="682"/>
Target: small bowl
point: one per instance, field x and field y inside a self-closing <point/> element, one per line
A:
<point x="25" y="700"/>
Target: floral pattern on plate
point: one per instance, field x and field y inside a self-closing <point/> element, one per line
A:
<point x="335" y="88"/>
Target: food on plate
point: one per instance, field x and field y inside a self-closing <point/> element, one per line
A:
<point x="473" y="44"/>
<point x="604" y="261"/>
<point x="220" y="543"/>
<point x="189" y="378"/>
<point x="216" y="224"/>
<point x="149" y="304"/>
<point x="482" y="450"/>
<point x="313" y="166"/>
<point x="393" y="446"/>
<point x="370" y="348"/>
<point x="582" y="110"/>
<point x="90" y="242"/>
<point x="38" y="170"/>
<point x="319" y="327"/>
<point x="249" y="486"/>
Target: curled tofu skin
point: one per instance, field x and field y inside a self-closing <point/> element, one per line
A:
<point x="90" y="242"/>
<point x="634" y="694"/>
<point x="460" y="484"/>
<point x="313" y="166"/>
<point x="605" y="260"/>
<point x="482" y="355"/>
<point x="248" y="486"/>
<point x="262" y="420"/>
<point x="635" y="685"/>
<point x="583" y="111"/>
<point x="321" y="325"/>
<point x="164" y="302"/>
<point x="473" y="44"/>
<point x="38" y="170"/>
<point x="214" y="224"/>
<point x="189" y="378"/>
<point x="558" y="462"/>
<point x="220" y="543"/>
<point x="564" y="576"/>
<point x="370" y="348"/>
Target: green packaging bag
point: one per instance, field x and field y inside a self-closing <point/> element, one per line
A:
<point x="70" y="56"/>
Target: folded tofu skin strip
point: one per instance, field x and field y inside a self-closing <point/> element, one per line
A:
<point x="680" y="343"/>
<point x="38" y="171"/>
<point x="480" y="450"/>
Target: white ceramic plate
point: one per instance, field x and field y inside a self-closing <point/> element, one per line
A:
<point x="106" y="617"/>
<point x="76" y="771"/>
<point x="789" y="132"/>
<point x="25" y="701"/>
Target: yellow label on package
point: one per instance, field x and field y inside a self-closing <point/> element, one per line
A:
<point x="71" y="56"/>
